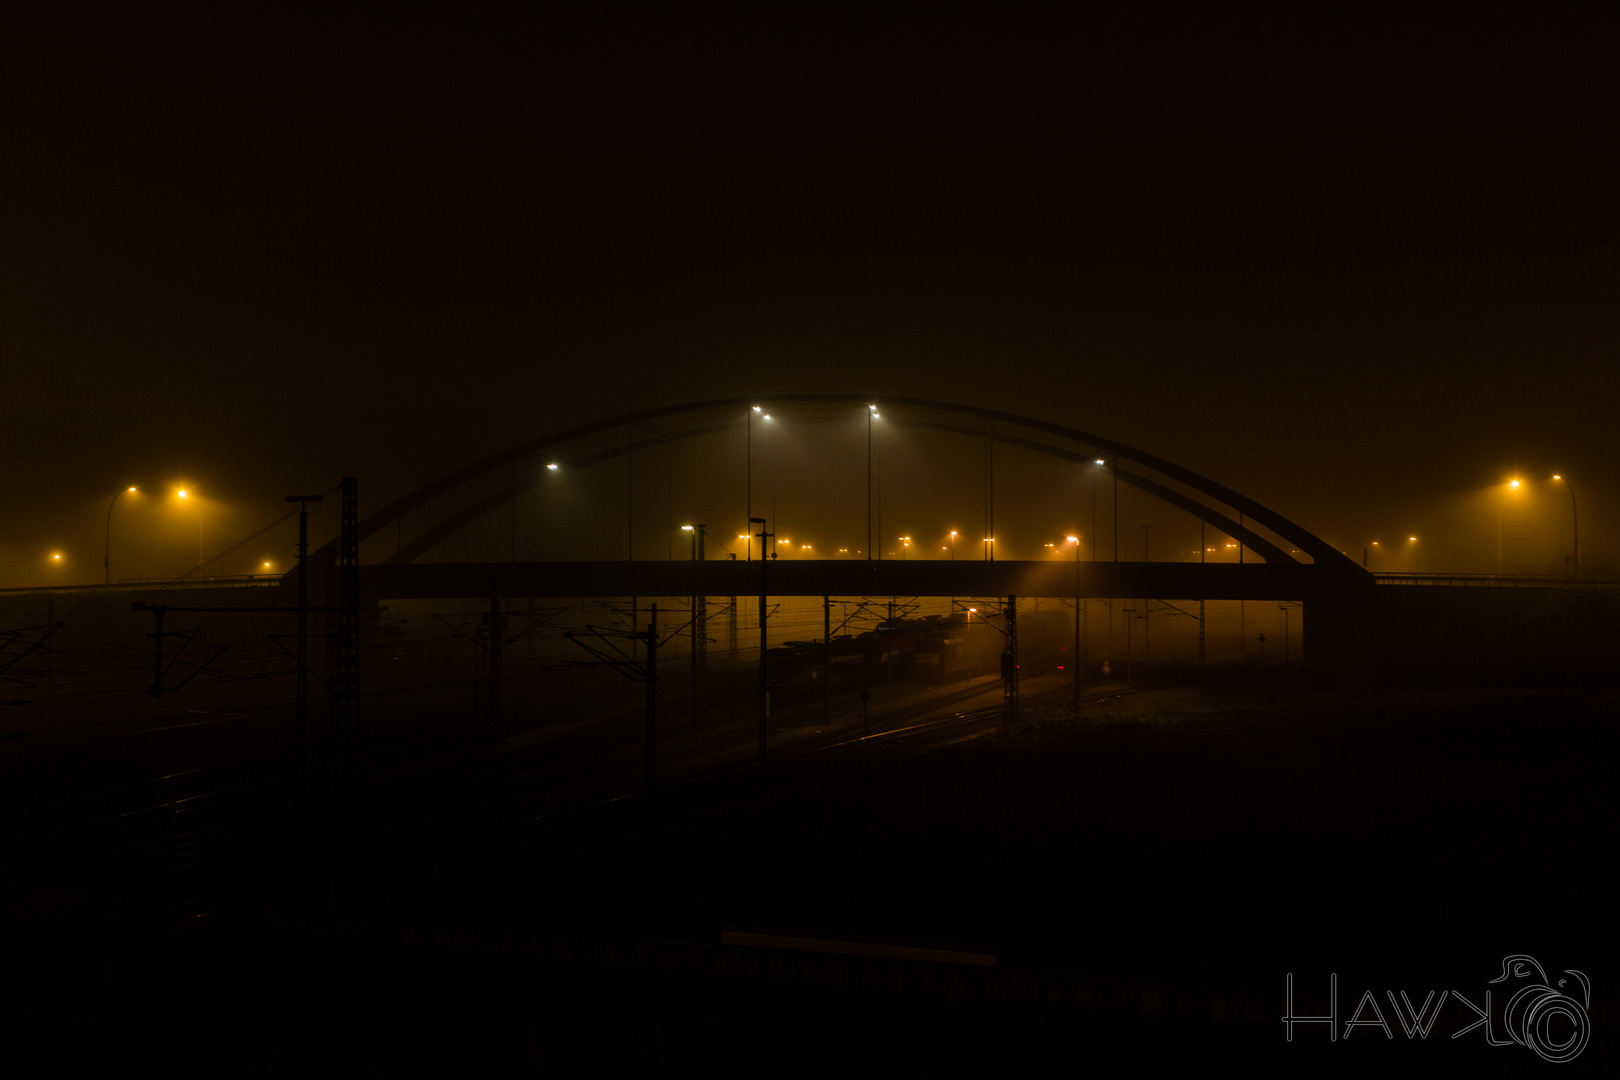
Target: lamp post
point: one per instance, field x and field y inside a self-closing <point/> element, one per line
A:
<point x="1108" y="602"/>
<point x="871" y="414"/>
<point x="905" y="546"/>
<point x="1075" y="659"/>
<point x="106" y="557"/>
<point x="183" y="494"/>
<point x="700" y="618"/>
<point x="765" y="536"/>
<point x="1575" y="522"/>
<point x="748" y="479"/>
<point x="953" y="545"/>
<point x="1512" y="485"/>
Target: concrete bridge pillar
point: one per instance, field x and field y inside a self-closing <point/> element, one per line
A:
<point x="1344" y="637"/>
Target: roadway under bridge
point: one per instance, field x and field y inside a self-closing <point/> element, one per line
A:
<point x="1341" y="613"/>
<point x="802" y="577"/>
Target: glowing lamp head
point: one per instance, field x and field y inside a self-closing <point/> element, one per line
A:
<point x="1072" y="539"/>
<point x="1513" y="483"/>
<point x="182" y="493"/>
<point x="553" y="466"/>
<point x="686" y="528"/>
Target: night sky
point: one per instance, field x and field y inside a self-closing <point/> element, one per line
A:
<point x="1354" y="260"/>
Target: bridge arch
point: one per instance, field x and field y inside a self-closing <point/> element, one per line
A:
<point x="1126" y="464"/>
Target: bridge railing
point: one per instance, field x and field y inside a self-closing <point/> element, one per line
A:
<point x="1541" y="581"/>
<point x="222" y="581"/>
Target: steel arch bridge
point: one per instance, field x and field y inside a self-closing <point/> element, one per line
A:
<point x="1291" y="556"/>
<point x="1294" y="564"/>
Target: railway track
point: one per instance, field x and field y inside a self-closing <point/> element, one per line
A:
<point x="182" y="846"/>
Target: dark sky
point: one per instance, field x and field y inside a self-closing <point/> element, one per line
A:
<point x="1356" y="260"/>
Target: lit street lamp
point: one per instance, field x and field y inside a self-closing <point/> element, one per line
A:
<point x="1512" y="485"/>
<point x="184" y="494"/>
<point x="1075" y="658"/>
<point x="871" y="415"/>
<point x="748" y="477"/>
<point x="1575" y="522"/>
<point x="700" y="616"/>
<point x="106" y="557"/>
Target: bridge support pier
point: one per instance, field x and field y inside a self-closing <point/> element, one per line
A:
<point x="1344" y="638"/>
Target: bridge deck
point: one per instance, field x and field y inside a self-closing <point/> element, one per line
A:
<point x="802" y="577"/>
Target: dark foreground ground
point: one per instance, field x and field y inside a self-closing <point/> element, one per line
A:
<point x="1148" y="874"/>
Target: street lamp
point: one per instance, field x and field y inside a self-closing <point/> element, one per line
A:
<point x="871" y="415"/>
<point x="1512" y="485"/>
<point x="989" y="551"/>
<point x="700" y="618"/>
<point x="1075" y="659"/>
<point x="748" y="475"/>
<point x="1575" y="522"/>
<point x="106" y="557"/>
<point x="184" y="495"/>
<point x="697" y="539"/>
<point x="1099" y="461"/>
<point x="953" y="545"/>
<point x="905" y="546"/>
